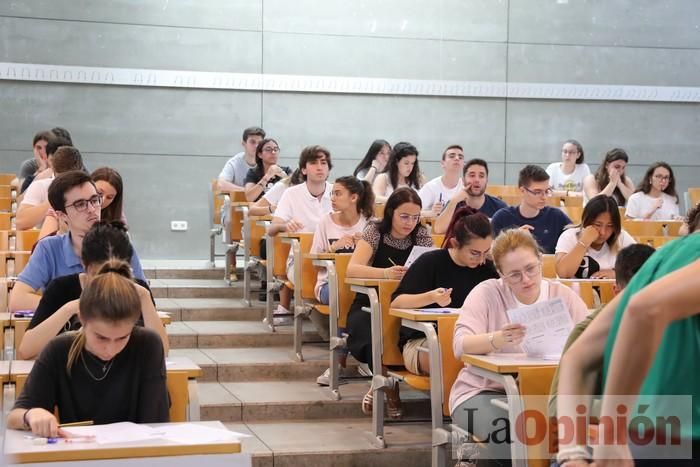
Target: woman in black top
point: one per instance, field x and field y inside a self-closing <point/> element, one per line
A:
<point x="444" y="278"/>
<point x="381" y="253"/>
<point x="108" y="371"/>
<point x="266" y="171"/>
<point x="57" y="311"/>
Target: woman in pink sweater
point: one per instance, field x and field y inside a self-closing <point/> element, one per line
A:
<point x="484" y="327"/>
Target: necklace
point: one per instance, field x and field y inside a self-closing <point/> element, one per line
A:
<point x="105" y="367"/>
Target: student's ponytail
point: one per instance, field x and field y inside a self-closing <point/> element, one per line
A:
<point x="363" y="190"/>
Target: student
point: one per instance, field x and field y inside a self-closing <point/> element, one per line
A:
<point x="57" y="311"/>
<point x="108" y="371"/>
<point x="588" y="250"/>
<point x="566" y="177"/>
<point x="74" y="198"/>
<point x="352" y="202"/>
<point x="267" y="204"/>
<point x="266" y="173"/>
<point x="302" y="207"/>
<point x="381" y="253"/>
<point x="232" y="176"/>
<point x="692" y="221"/>
<point x="483" y="327"/>
<point x="627" y="263"/>
<point x="473" y="194"/>
<point x="545" y="223"/>
<point x="38" y="163"/>
<point x="610" y="178"/>
<point x="35" y="204"/>
<point x="402" y="170"/>
<point x="374" y="161"/>
<point x="656" y="198"/>
<point x="435" y="194"/>
<point x="643" y="341"/>
<point x="444" y="278"/>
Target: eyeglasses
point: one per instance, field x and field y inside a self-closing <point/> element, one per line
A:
<point x="530" y="271"/>
<point x="564" y="151"/>
<point x="539" y="193"/>
<point x="476" y="254"/>
<point x="82" y="204"/>
<point x="406" y="218"/>
<point x="662" y="178"/>
<point x="272" y="150"/>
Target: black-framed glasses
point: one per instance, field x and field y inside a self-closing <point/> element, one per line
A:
<point x="272" y="149"/>
<point x="662" y="178"/>
<point x="547" y="192"/>
<point x="82" y="204"/>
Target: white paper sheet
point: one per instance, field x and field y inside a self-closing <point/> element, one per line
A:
<point x="124" y="432"/>
<point x="548" y="327"/>
<point x="197" y="434"/>
<point x="447" y="310"/>
<point x="127" y="432"/>
<point x="416" y="252"/>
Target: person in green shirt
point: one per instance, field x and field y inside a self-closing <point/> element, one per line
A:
<point x="647" y="340"/>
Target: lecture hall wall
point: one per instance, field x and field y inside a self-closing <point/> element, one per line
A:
<point x="169" y="142"/>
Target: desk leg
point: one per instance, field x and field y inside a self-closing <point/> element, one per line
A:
<point x="269" y="305"/>
<point x="518" y="451"/>
<point x="336" y="341"/>
<point x="299" y="308"/>
<point x="379" y="381"/>
<point x="247" y="267"/>
<point x="193" y="412"/>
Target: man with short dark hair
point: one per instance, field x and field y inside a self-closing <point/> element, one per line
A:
<point x="232" y="176"/>
<point x="75" y="199"/>
<point x="545" y="223"/>
<point x="475" y="179"/>
<point x="33" y="166"/>
<point x="435" y="194"/>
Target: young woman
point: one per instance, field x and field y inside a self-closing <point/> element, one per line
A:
<point x="266" y="172"/>
<point x="589" y="250"/>
<point x="484" y="327"/>
<point x="108" y="371"/>
<point x="444" y="278"/>
<point x="109" y="185"/>
<point x="374" y="161"/>
<point x="380" y="253"/>
<point x="402" y="170"/>
<point x="566" y="177"/>
<point x="656" y="198"/>
<point x="610" y="178"/>
<point x="57" y="311"/>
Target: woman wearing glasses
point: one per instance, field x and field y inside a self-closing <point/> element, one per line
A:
<point x="484" y="327"/>
<point x="444" y="278"/>
<point x="266" y="173"/>
<point x="656" y="198"/>
<point x="381" y="253"/>
<point x="566" y="177"/>
<point x="610" y="178"/>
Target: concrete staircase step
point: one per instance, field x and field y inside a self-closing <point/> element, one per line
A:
<point x="294" y="400"/>
<point x="195" y="288"/>
<point x="223" y="334"/>
<point x="337" y="443"/>
<point x="211" y="309"/>
<point x="184" y="273"/>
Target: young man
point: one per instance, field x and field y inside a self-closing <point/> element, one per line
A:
<point x="35" y="203"/>
<point x="435" y="194"/>
<point x="302" y="206"/>
<point x="39" y="162"/>
<point x="473" y="194"/>
<point x="232" y="176"/>
<point x="544" y="222"/>
<point x="74" y="198"/>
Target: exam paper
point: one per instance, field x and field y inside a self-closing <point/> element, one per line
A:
<point x="548" y="327"/>
<point x="123" y="432"/>
<point x="445" y="310"/>
<point x="127" y="432"/>
<point x="416" y="252"/>
<point x="191" y="433"/>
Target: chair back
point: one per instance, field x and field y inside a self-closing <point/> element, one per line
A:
<point x="549" y="269"/>
<point x="536" y="383"/>
<point x="391" y="355"/>
<point x="6" y="220"/>
<point x="503" y="190"/>
<point x="6" y="204"/>
<point x="638" y="228"/>
<point x="345" y="294"/>
<point x="179" y="395"/>
<point x="281" y="250"/>
<point x="575" y="213"/>
<point x="693" y="197"/>
<point x="450" y="365"/>
<point x="26" y="239"/>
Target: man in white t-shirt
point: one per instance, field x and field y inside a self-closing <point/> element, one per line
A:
<point x="302" y="206"/>
<point x="232" y="176"/>
<point x="437" y="192"/>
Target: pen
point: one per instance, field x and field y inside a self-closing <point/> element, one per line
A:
<point x="392" y="261"/>
<point x="83" y="423"/>
<point x="440" y="197"/>
<point x="79" y="439"/>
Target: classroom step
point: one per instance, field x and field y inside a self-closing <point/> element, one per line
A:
<point x="185" y="273"/>
<point x="195" y="288"/>
<point x="224" y="334"/>
<point x="295" y="400"/>
<point x="211" y="309"/>
<point x="337" y="443"/>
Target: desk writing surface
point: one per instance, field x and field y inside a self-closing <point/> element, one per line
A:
<point x="321" y="256"/>
<point x="424" y="315"/>
<point x="506" y="362"/>
<point x="4" y="371"/>
<point x="260" y="218"/>
<point x="5" y="319"/>
<point x="19" y="449"/>
<point x="20" y="367"/>
<point x="24" y="367"/>
<point x="368" y="282"/>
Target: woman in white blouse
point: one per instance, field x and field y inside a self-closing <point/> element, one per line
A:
<point x="566" y="177"/>
<point x="656" y="198"/>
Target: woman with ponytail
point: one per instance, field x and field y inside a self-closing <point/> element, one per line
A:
<point x="108" y="371"/>
<point x="57" y="311"/>
<point x="444" y="278"/>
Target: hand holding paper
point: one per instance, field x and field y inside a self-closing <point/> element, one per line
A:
<point x="548" y="326"/>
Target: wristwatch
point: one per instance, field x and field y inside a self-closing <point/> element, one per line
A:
<point x="490" y="336"/>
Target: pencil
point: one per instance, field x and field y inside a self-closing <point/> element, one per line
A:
<point x="392" y="261"/>
<point x="83" y="423"/>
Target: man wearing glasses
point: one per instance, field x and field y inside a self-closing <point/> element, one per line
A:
<point x="74" y="198"/>
<point x="544" y="222"/>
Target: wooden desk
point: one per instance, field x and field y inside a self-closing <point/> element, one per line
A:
<point x="4" y="372"/>
<point x="254" y="228"/>
<point x="505" y="369"/>
<point x="19" y="450"/>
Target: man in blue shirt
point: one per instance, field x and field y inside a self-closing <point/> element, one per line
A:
<point x="544" y="222"/>
<point x="75" y="199"/>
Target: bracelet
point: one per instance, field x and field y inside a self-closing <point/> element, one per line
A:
<point x="269" y="207"/>
<point x="24" y="419"/>
<point x="374" y="167"/>
<point x="582" y="244"/>
<point x="386" y="273"/>
<point x="491" y="338"/>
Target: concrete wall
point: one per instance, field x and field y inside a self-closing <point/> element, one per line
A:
<point x="168" y="143"/>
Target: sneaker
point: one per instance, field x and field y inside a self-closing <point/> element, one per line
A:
<point x="363" y="370"/>
<point x="325" y="378"/>
<point x="282" y="316"/>
<point x="281" y="311"/>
